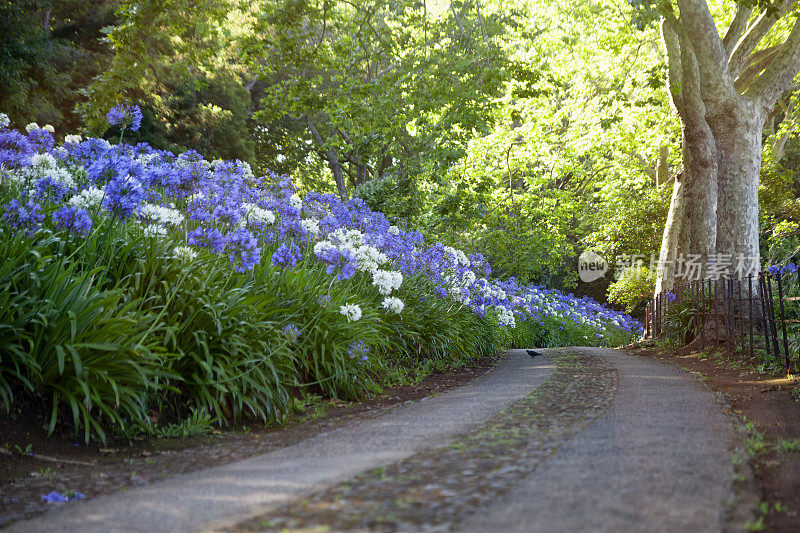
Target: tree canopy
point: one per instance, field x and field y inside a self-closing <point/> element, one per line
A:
<point x="527" y="131"/>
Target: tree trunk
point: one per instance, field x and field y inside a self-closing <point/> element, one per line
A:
<point x="722" y="89"/>
<point x="713" y="214"/>
<point x="669" y="241"/>
<point x="330" y="155"/>
<point x="738" y="136"/>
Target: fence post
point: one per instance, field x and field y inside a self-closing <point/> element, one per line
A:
<point x="701" y="291"/>
<point x="762" y="286"/>
<point x="740" y="313"/>
<point x="771" y="311"/>
<point x="783" y="321"/>
<point x="731" y="318"/>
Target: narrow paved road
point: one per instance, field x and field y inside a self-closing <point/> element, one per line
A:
<point x="580" y="439"/>
<point x="657" y="460"/>
<point x="196" y="501"/>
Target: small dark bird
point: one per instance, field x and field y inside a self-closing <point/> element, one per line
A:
<point x="532" y="353"/>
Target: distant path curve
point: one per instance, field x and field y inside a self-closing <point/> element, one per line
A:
<point x="659" y="459"/>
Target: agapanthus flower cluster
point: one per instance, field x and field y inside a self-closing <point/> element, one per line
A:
<point x="291" y="332"/>
<point x="58" y="497"/>
<point x="24" y="214"/>
<point x="351" y="312"/>
<point x="358" y="350"/>
<point x="220" y="207"/>
<point x="287" y="255"/>
<point x="184" y="253"/>
<point x="73" y="219"/>
<point x="387" y="281"/>
<point x="393" y="304"/>
<point x="125" y="115"/>
<point x="782" y="269"/>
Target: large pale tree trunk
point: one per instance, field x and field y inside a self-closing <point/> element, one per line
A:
<point x="738" y="137"/>
<point x="723" y="90"/>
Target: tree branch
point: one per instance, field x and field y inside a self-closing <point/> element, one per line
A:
<point x="330" y="155"/>
<point x="737" y="27"/>
<point x="694" y="106"/>
<point x="760" y="60"/>
<point x="716" y="83"/>
<point x="674" y="71"/>
<point x="768" y="87"/>
<point x="740" y="56"/>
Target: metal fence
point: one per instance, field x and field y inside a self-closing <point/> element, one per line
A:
<point x="756" y="314"/>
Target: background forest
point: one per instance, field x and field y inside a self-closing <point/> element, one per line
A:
<point x="527" y="132"/>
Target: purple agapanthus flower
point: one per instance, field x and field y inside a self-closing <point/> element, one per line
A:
<point x="73" y="219"/>
<point x="287" y="256"/>
<point x="15" y="149"/>
<point x="244" y="251"/>
<point x="291" y="332"/>
<point x="126" y="116"/>
<point x="49" y="189"/>
<point x="123" y="196"/>
<point x="358" y="350"/>
<point x="57" y="497"/>
<point x="210" y="238"/>
<point x="23" y="214"/>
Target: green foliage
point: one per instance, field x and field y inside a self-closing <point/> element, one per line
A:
<point x="635" y="285"/>
<point x="49" y="52"/>
<point x="680" y="319"/>
<point x="390" y="88"/>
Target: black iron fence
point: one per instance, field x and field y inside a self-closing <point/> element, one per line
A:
<point x="759" y="315"/>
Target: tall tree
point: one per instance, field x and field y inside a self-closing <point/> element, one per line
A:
<point x="379" y="87"/>
<point x="724" y="87"/>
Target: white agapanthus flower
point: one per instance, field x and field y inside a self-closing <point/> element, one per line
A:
<point x="393" y="304"/>
<point x="369" y="258"/>
<point x="32" y="126"/>
<point x="296" y="202"/>
<point x="49" y="128"/>
<point x="386" y="281"/>
<point x="394" y="230"/>
<point x="466" y="280"/>
<point x="62" y="176"/>
<point x="72" y="139"/>
<point x="161" y="215"/>
<point x="505" y="316"/>
<point x="199" y="195"/>
<point x="351" y="237"/>
<point x="322" y="246"/>
<point x="351" y="311"/>
<point x="154" y="230"/>
<point x="460" y="257"/>
<point x="43" y="161"/>
<point x="254" y="213"/>
<point x="88" y="198"/>
<point x="248" y="170"/>
<point x="146" y="159"/>
<point x="184" y="253"/>
<point x="4" y="120"/>
<point x="16" y="178"/>
<point x="311" y="225"/>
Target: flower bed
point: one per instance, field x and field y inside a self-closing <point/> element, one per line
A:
<point x="139" y="284"/>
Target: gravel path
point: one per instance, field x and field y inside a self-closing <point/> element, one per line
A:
<point x="657" y="460"/>
<point x="196" y="501"/>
